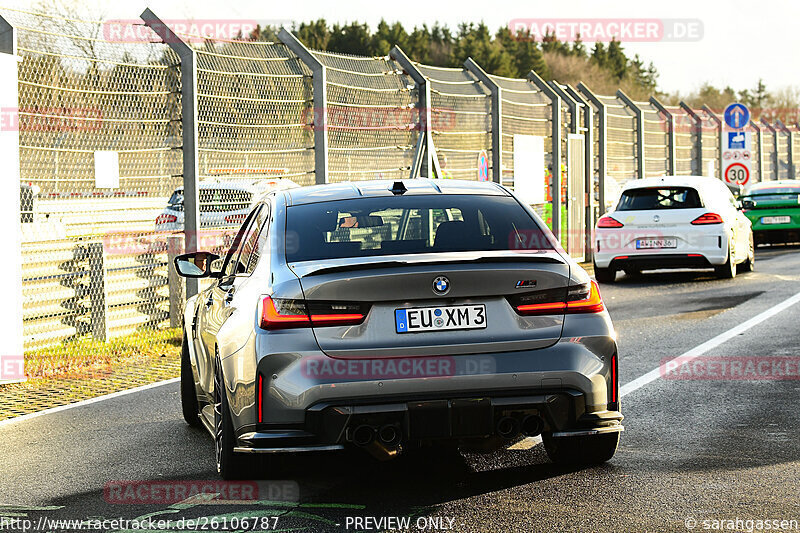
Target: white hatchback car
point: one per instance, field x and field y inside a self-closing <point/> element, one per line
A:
<point x="673" y="222"/>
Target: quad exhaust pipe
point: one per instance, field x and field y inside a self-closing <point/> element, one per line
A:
<point x="383" y="443"/>
<point x="363" y="435"/>
<point x="509" y="427"/>
<point x="532" y="426"/>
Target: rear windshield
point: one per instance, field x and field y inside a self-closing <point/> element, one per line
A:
<point x="659" y="198"/>
<point x="409" y="225"/>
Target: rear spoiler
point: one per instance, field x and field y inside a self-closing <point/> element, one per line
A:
<point x="522" y="258"/>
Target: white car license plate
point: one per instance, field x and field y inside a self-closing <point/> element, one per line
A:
<point x="776" y="220"/>
<point x="649" y="244"/>
<point x="440" y="318"/>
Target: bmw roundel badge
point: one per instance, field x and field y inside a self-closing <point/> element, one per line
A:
<point x="441" y="285"/>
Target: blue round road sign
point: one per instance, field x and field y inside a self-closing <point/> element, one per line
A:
<point x="737" y="116"/>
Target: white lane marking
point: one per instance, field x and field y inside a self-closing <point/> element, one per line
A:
<point x="697" y="351"/>
<point x="709" y="345"/>
<point x="86" y="402"/>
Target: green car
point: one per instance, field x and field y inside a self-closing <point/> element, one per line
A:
<point x="774" y="209"/>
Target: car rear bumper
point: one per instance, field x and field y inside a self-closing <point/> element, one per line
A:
<point x="615" y="247"/>
<point x="330" y="426"/>
<point x="767" y="235"/>
<point x="568" y="385"/>
<point x="659" y="261"/>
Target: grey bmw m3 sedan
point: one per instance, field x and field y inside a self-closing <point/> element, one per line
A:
<point x="394" y="316"/>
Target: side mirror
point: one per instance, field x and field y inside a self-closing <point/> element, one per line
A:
<point x="747" y="204"/>
<point x="197" y="265"/>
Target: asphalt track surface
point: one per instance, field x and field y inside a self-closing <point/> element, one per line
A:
<point x="697" y="454"/>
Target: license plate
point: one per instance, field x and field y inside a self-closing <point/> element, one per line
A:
<point x="440" y="318"/>
<point x="776" y="220"/>
<point x="649" y="244"/>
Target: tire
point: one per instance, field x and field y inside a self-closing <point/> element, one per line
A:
<point x="604" y="275"/>
<point x="586" y="450"/>
<point x="189" y="406"/>
<point x="230" y="465"/>
<point x="728" y="270"/>
<point x="749" y="264"/>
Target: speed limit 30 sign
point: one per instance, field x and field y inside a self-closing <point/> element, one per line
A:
<point x="737" y="174"/>
<point x="736" y="145"/>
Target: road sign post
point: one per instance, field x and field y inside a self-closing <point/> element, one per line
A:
<point x="736" y="146"/>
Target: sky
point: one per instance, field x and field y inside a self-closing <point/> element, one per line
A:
<point x="741" y="41"/>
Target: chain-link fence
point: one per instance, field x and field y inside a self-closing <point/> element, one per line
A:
<point x="373" y="124"/>
<point x="525" y="110"/>
<point x="95" y="259"/>
<point x="711" y="128"/>
<point x="87" y="267"/>
<point x="621" y="131"/>
<point x="463" y="128"/>
<point x="656" y="140"/>
<point x="685" y="148"/>
<point x="255" y="112"/>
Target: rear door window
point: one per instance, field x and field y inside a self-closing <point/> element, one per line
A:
<point x="650" y="198"/>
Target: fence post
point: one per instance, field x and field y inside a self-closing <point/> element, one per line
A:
<point x="774" y="154"/>
<point x="640" y="163"/>
<point x="97" y="290"/>
<point x="191" y="160"/>
<point x="789" y="150"/>
<point x="555" y="174"/>
<point x="319" y="82"/>
<point x="699" y="136"/>
<point x="10" y="209"/>
<point x="602" y="149"/>
<point x="760" y="145"/>
<point x="572" y="104"/>
<point x="671" y="146"/>
<point x="718" y="122"/>
<point x="424" y="106"/>
<point x="497" y="117"/>
<point x="588" y="153"/>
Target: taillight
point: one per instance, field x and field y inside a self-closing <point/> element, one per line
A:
<point x="165" y="218"/>
<point x="235" y="219"/>
<point x="282" y="313"/>
<point x="585" y="298"/>
<point x="579" y="299"/>
<point x="608" y="222"/>
<point x="707" y="218"/>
